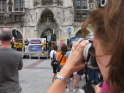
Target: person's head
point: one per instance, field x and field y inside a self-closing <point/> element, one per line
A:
<point x="5" y="35"/>
<point x="69" y="46"/>
<point x="64" y="48"/>
<point x="54" y="47"/>
<point x="109" y="42"/>
<point x="101" y="41"/>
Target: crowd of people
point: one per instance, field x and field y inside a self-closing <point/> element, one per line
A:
<point x="108" y="41"/>
<point x="58" y="60"/>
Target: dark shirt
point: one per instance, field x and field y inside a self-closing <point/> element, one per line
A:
<point x="10" y="63"/>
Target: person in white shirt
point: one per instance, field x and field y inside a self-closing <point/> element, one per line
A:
<point x="53" y="60"/>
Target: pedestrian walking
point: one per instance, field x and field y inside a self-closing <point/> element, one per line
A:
<point x="61" y="56"/>
<point x="54" y="62"/>
<point x="10" y="63"/>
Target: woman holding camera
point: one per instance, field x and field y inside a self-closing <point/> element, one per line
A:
<point x="76" y="61"/>
<point x="109" y="50"/>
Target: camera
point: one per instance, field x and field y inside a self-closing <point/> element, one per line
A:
<point x="89" y="54"/>
<point x="86" y="52"/>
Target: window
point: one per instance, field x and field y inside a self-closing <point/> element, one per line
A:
<point x="80" y="4"/>
<point x="47" y="2"/>
<point x="1" y="18"/>
<point x="84" y="4"/>
<point x="91" y="1"/>
<point x="80" y="10"/>
<point x="18" y="18"/>
<point x="91" y="6"/>
<point x="3" y="5"/>
<point x="47" y="16"/>
<point x="36" y="2"/>
<point x="80" y="15"/>
<point x="19" y="5"/>
<point x="59" y="2"/>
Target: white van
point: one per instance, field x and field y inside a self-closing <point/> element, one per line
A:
<point x="35" y="48"/>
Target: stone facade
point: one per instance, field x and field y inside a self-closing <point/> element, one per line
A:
<point x="45" y="20"/>
<point x="63" y="16"/>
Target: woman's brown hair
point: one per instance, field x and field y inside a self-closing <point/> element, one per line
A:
<point x="114" y="24"/>
<point x="108" y="24"/>
<point x="63" y="48"/>
<point x="96" y="20"/>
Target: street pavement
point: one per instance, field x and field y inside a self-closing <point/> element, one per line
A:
<point x="35" y="77"/>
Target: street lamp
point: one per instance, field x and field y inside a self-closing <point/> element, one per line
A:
<point x="70" y="29"/>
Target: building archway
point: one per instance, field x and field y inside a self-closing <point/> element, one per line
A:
<point x="47" y="16"/>
<point x="47" y="26"/>
<point x="49" y="34"/>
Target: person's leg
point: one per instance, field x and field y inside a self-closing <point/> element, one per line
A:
<point x="53" y="78"/>
<point x="54" y="73"/>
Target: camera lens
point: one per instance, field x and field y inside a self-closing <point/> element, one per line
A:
<point x="86" y="51"/>
<point x="92" y="50"/>
<point x="89" y="50"/>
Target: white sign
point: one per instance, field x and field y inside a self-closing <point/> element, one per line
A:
<point x="70" y="29"/>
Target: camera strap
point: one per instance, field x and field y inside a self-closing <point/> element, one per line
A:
<point x="88" y="87"/>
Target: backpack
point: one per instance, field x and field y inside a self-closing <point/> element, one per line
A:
<point x="54" y="62"/>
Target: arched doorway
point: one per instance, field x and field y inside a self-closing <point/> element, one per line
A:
<point x="48" y="27"/>
<point x="49" y="34"/>
<point x="47" y="16"/>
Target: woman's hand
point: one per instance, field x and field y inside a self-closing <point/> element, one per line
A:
<point x="97" y="89"/>
<point x="75" y="61"/>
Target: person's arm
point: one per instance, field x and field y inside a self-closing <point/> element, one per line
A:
<point x="74" y="63"/>
<point x="20" y="63"/>
<point x="58" y="87"/>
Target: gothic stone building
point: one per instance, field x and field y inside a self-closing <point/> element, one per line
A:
<point x="57" y="20"/>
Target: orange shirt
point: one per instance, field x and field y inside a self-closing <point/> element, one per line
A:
<point x="59" y="57"/>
